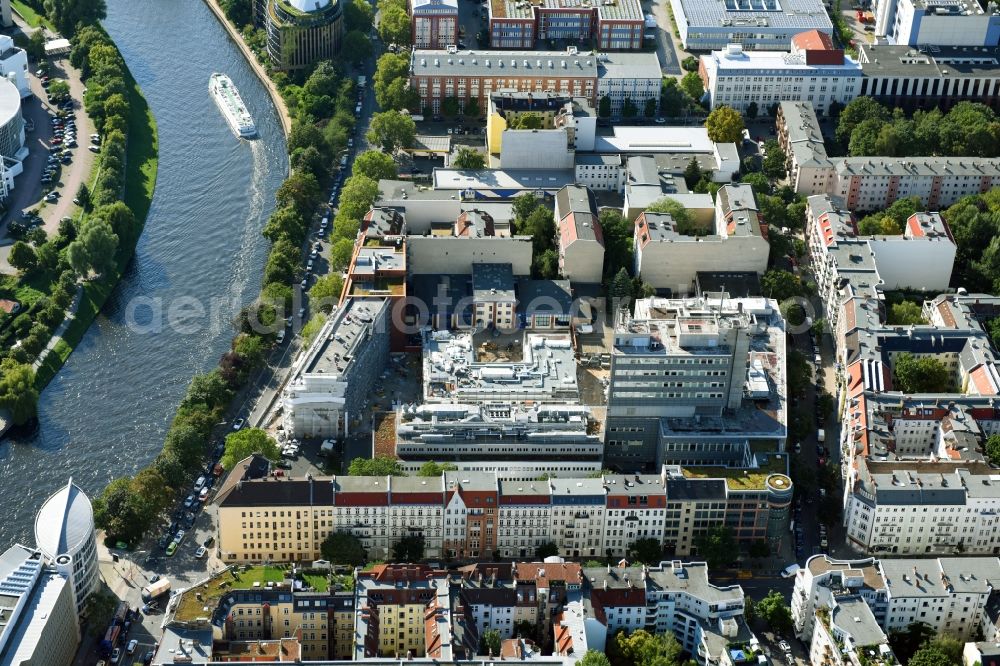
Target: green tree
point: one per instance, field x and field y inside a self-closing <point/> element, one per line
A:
<point x="490" y="643"/>
<point x="394" y="25"/>
<point x="358" y="15"/>
<point x="629" y="109"/>
<point x="649" y="107"/>
<point x="391" y="130"/>
<point x="647" y="551"/>
<point x="468" y="158"/>
<point x="992" y="449"/>
<point x="878" y="224"/>
<point x="774" y="160"/>
<point x="286" y="222"/>
<point x="693" y="86"/>
<point x="450" y="106"/>
<point x="906" y="313"/>
<point x="529" y="120"/>
<point x="617" y="233"/>
<point x="781" y="285"/>
<point x="357" y="196"/>
<point x="325" y="292"/>
<point x="378" y="466"/>
<point x="22" y="257"/>
<point x="357" y="44"/>
<point x="541" y="226"/>
<point x="121" y="220"/>
<point x="725" y="125"/>
<point x="343" y="548"/>
<point x="682" y="216"/>
<point x="66" y="15"/>
<point x="207" y="389"/>
<point x="375" y="165"/>
<point x="717" y="546"/>
<point x="300" y="191"/>
<point x="641" y="648"/>
<point x="752" y="110"/>
<point x="758" y="181"/>
<point x="408" y="549"/>
<point x="121" y="512"/>
<point x="547" y="549"/>
<point x="690" y="64"/>
<point x="906" y="642"/>
<point x="692" y="173"/>
<point x="773" y="610"/>
<point x="594" y="658"/>
<point x="433" y="469"/>
<point x="244" y="443"/>
<point x="759" y="549"/>
<point x="604" y="107"/>
<point x="17" y="390"/>
<point x="94" y="250"/>
<point x="237" y="11"/>
<point x="921" y="374"/>
<point x="859" y="110"/>
<point x="83" y="196"/>
<point x="621" y="287"/>
<point x="59" y="88"/>
<point x="340" y="253"/>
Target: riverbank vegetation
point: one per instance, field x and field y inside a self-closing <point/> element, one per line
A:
<point x="80" y="265"/>
<point x="321" y="104"/>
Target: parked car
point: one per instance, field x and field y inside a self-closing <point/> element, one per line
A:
<point x="201" y="552"/>
<point x="189" y="501"/>
<point x="132" y="645"/>
<point x="171" y="549"/>
<point x="238" y="423"/>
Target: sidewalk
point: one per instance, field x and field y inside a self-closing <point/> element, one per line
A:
<point x="61" y="329"/>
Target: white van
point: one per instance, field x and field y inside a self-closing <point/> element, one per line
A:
<point x="281" y="336"/>
<point x="200" y="483"/>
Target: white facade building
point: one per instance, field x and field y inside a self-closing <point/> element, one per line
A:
<point x="634" y="76"/>
<point x="738" y="78"/>
<point x="947" y="594"/>
<point x="64" y="532"/>
<point x="14" y="65"/>
<point x="756" y="24"/>
<point x="937" y="22"/>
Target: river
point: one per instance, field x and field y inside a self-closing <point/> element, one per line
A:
<point x="105" y="414"/>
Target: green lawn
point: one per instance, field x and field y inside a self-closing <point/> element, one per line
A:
<point x="194" y="600"/>
<point x="30" y="16"/>
<point x="140" y="181"/>
<point x="318" y="582"/>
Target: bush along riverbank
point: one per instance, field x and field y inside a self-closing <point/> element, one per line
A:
<point x="80" y="266"/>
<point x="321" y="104"/>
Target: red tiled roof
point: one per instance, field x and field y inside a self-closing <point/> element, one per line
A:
<point x="813" y="40"/>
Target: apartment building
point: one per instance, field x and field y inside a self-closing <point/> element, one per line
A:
<point x="287" y="520"/>
<point x="801" y="139"/>
<point x="812" y="71"/>
<point x="947" y="594"/>
<point x="516" y="24"/>
<point x="39" y="623"/>
<point x="469" y="514"/>
<point x="433" y="23"/>
<point x="649" y="179"/>
<point x="847" y="634"/>
<point x="668" y="259"/>
<point x="332" y="381"/>
<point x="679" y="386"/>
<point x="580" y="239"/>
<point x="600" y="172"/>
<point x="705" y="25"/>
<point x="921" y="258"/>
<point x="493" y="298"/>
<point x="437" y="74"/>
<point x="932" y="22"/>
<point x="873" y="183"/>
<point x="402" y="611"/>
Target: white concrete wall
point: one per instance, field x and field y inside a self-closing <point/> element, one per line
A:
<point x="430" y="255"/>
<point x="924" y="264"/>
<point x="583" y="261"/>
<point x="673" y="265"/>
<point x="535" y="149"/>
<point x="421" y="212"/>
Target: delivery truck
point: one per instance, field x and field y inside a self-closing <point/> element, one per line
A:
<point x="155" y="590"/>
